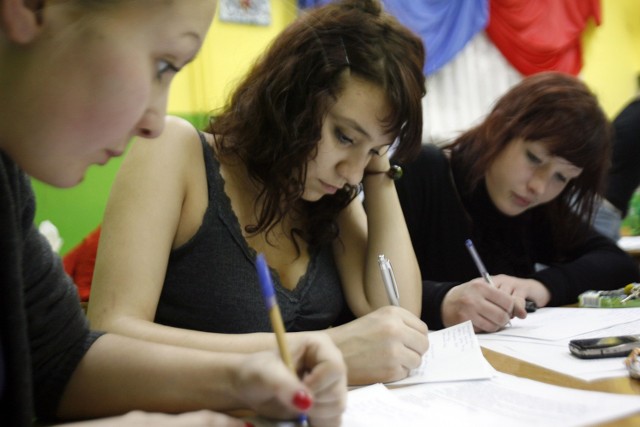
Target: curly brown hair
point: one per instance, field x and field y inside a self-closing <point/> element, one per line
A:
<point x="274" y="118"/>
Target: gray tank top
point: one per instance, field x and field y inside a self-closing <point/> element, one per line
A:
<point x="211" y="282"/>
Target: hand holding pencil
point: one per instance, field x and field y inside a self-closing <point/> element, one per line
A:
<point x="481" y="268"/>
<point x="480" y="300"/>
<point x="315" y="356"/>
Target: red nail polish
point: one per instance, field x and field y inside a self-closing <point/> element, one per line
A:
<point x="302" y="400"/>
<point x="248" y="425"/>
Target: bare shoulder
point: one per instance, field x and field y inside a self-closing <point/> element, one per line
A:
<point x="170" y="156"/>
<point x="179" y="135"/>
<point x="177" y="127"/>
<point x="179" y="143"/>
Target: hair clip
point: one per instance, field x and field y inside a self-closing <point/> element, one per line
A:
<point x="346" y="55"/>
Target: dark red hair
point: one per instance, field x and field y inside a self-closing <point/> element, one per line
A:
<point x="560" y="111"/>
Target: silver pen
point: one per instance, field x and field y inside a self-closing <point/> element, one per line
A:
<point x="389" y="280"/>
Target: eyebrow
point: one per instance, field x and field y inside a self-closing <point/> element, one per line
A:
<point x="196" y="48"/>
<point x="354" y="125"/>
<point x="193" y="35"/>
<point x="564" y="162"/>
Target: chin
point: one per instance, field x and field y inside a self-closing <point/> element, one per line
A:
<point x="60" y="178"/>
<point x="69" y="182"/>
<point x="510" y="210"/>
<point x="515" y="212"/>
<point x="311" y="198"/>
<point x="71" y="177"/>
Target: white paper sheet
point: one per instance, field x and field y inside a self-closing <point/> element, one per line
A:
<point x="503" y="401"/>
<point x="454" y="355"/>
<point x="555" y="355"/>
<point x="510" y="401"/>
<point x="629" y="243"/>
<point x="555" y="323"/>
<point x="377" y="406"/>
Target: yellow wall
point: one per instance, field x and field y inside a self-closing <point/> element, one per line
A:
<point x="611" y="62"/>
<point x="611" y="57"/>
<point x="612" y="54"/>
<point x="227" y="53"/>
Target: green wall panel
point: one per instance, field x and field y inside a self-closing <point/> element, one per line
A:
<point x="77" y="211"/>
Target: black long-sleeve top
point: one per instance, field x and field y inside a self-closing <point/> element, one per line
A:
<point x="624" y="176"/>
<point x="440" y="216"/>
<point x="43" y="331"/>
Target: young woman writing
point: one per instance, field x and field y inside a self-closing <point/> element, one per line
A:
<point x="279" y="173"/>
<point x="78" y="79"/>
<point x="521" y="185"/>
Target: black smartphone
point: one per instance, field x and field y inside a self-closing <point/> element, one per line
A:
<point x="595" y="348"/>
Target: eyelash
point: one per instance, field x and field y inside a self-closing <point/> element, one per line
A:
<point x="345" y="140"/>
<point x="563" y="179"/>
<point x="165" y="67"/>
<point x="375" y="152"/>
<point x="342" y="138"/>
<point x="534" y="159"/>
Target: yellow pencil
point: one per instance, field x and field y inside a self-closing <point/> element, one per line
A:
<point x="264" y="277"/>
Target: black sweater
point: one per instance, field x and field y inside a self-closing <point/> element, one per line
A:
<point x="43" y="331"/>
<point x="624" y="176"/>
<point x="440" y="218"/>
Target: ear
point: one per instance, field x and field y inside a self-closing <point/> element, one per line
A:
<point x="19" y="20"/>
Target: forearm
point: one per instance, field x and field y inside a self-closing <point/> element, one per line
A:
<point x="150" y="377"/>
<point x="147" y="330"/>
<point x="388" y="235"/>
<point x="599" y="264"/>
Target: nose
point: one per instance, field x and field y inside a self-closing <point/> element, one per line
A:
<point x="538" y="183"/>
<point x="352" y="169"/>
<point x="151" y="124"/>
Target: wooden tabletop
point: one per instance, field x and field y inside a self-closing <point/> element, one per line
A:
<point x="520" y="368"/>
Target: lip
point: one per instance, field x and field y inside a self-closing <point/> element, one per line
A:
<point x="521" y="201"/>
<point x="109" y="155"/>
<point x="329" y="189"/>
<point x="114" y="153"/>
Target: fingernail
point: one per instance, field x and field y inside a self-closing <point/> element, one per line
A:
<point x="302" y="400"/>
<point x="248" y="425"/>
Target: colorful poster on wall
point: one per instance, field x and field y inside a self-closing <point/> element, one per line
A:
<point x="255" y="12"/>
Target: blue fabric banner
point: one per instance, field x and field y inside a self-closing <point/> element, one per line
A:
<point x="445" y="26"/>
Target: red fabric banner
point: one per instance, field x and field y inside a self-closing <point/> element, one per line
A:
<point x="540" y="35"/>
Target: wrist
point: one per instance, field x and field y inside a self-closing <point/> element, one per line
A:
<point x="229" y="388"/>
<point x="394" y="173"/>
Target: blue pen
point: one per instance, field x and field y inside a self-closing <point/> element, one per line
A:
<point x="266" y="285"/>
<point x="480" y="265"/>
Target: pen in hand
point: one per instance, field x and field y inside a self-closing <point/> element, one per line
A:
<point x="476" y="258"/>
<point x="389" y="280"/>
<point x="264" y="277"/>
<point x="481" y="268"/>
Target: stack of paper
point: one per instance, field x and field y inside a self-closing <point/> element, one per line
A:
<point x="454" y="355"/>
<point x="543" y="339"/>
<point x="503" y="401"/>
<point x="456" y="385"/>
